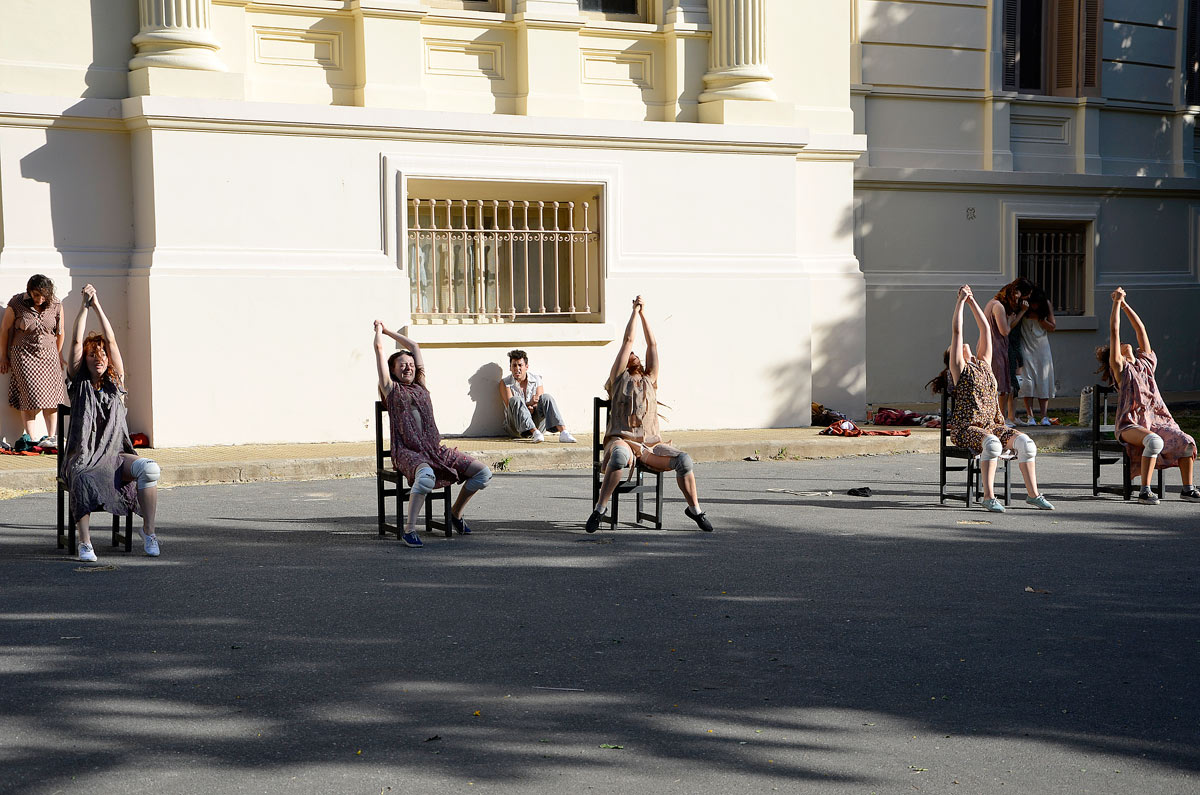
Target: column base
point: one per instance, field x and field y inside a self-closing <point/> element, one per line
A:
<point x="737" y="111"/>
<point x="159" y="81"/>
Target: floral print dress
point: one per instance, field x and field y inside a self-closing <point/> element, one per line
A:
<point x="976" y="409"/>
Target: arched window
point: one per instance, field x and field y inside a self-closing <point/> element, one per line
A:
<point x="1053" y="46"/>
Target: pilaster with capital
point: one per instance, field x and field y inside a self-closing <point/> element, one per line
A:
<point x="177" y="52"/>
<point x="738" y="77"/>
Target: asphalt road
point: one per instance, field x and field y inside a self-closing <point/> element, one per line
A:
<point x="824" y="644"/>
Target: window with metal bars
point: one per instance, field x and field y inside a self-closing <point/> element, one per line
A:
<point x="1054" y="256"/>
<point x="492" y="260"/>
<point x="1053" y="46"/>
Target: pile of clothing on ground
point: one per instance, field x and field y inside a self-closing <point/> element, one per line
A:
<point x="27" y="446"/>
<point x="887" y="416"/>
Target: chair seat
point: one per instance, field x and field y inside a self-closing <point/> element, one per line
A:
<point x="637" y="485"/>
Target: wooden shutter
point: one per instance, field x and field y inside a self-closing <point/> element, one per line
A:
<point x="1064" y="48"/>
<point x="1091" y="55"/>
<point x="1191" y="61"/>
<point x="1012" y="14"/>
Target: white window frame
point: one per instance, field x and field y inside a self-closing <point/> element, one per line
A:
<point x="1086" y="212"/>
<point x="398" y="169"/>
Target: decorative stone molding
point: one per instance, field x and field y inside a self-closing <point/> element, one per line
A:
<point x="737" y="67"/>
<point x="176" y="34"/>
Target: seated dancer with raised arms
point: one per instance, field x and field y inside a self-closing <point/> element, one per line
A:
<point x="1144" y="423"/>
<point x="977" y="423"/>
<point x="417" y="449"/>
<point x="102" y="469"/>
<point x="632" y="431"/>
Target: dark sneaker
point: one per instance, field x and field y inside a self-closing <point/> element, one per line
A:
<point x="700" y="519"/>
<point x="1147" y="497"/>
<point x="593" y="522"/>
<point x="460" y="525"/>
<point x="1191" y="494"/>
<point x="412" y="540"/>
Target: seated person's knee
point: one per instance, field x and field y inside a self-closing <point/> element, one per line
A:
<point x="479" y="480"/>
<point x="682" y="464"/>
<point x="620" y="458"/>
<point x="1026" y="449"/>
<point x="424" y="481"/>
<point x="991" y="448"/>
<point x="146" y="472"/>
<point x="1152" y="445"/>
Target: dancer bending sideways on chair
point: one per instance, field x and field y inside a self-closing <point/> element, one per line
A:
<point x="417" y="449"/>
<point x="632" y="433"/>
<point x="102" y="469"/>
<point x="1144" y="424"/>
<point x="977" y="423"/>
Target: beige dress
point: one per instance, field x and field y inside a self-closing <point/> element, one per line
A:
<point x="633" y="415"/>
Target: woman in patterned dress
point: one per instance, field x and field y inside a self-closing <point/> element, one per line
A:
<point x="1004" y="312"/>
<point x="417" y="449"/>
<point x="31" y="341"/>
<point x="102" y="469"/>
<point x="632" y="435"/>
<point x="1144" y="424"/>
<point x="976" y="422"/>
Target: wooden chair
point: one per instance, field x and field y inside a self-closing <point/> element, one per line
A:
<point x="948" y="451"/>
<point x="384" y="476"/>
<point x="66" y="534"/>
<point x="1109" y="450"/>
<point x="638" y="485"/>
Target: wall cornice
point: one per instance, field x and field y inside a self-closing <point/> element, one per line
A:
<point x="931" y="179"/>
<point x="169" y="113"/>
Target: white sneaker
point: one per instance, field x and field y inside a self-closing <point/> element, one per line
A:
<point x="1029" y="421"/>
<point x="86" y="553"/>
<point x="536" y="436"/>
<point x="1046" y="421"/>
<point x="566" y="438"/>
<point x="150" y="544"/>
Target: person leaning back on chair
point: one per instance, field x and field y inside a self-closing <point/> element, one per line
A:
<point x="632" y="431"/>
<point x="1144" y="423"/>
<point x="977" y="423"/>
<point x="528" y="408"/>
<point x="417" y="449"/>
<point x="103" y="471"/>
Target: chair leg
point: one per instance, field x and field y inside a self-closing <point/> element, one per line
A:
<point x="116" y="531"/>
<point x="1127" y="482"/>
<point x="399" y="510"/>
<point x="71" y="545"/>
<point x="62" y="535"/>
<point x="1007" y="484"/>
<point x="446" y="506"/>
<point x="129" y="532"/>
<point x="658" y="504"/>
<point x="971" y="484"/>
<point x="1162" y="493"/>
<point x="379" y="505"/>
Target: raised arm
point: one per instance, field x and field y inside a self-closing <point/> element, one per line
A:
<point x="381" y="368"/>
<point x="115" y="362"/>
<point x="626" y="344"/>
<point x="1116" y="361"/>
<point x="78" y="330"/>
<point x="983" y="346"/>
<point x="1048" y="322"/>
<point x="956" y="336"/>
<point x="651" y="363"/>
<point x="1139" y="327"/>
<point x="6" y="326"/>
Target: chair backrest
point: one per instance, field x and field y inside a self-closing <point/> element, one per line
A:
<point x="947" y="410"/>
<point x="1100" y="396"/>
<point x="380" y="451"/>
<point x="599" y="405"/>
<point x="60" y="431"/>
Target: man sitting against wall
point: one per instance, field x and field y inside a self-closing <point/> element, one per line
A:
<point x="528" y="409"/>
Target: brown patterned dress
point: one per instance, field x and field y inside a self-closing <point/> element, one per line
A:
<point x="633" y="415"/>
<point x="415" y="436"/>
<point x="1139" y="405"/>
<point x="36" y="376"/>
<point x="976" y="409"/>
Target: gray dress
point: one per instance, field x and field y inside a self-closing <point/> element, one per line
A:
<point x="97" y="436"/>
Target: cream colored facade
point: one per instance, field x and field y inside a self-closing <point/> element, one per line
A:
<point x="235" y="177"/>
<point x="959" y="160"/>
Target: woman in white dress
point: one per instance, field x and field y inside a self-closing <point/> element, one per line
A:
<point x="1038" y="373"/>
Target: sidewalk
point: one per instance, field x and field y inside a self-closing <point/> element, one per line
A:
<point x="185" y="466"/>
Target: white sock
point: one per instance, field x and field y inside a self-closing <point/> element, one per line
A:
<point x="696" y="510"/>
<point x="602" y="511"/>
